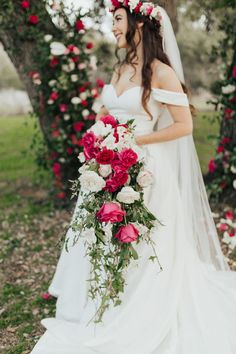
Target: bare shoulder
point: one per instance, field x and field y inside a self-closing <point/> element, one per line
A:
<point x="164" y="77"/>
<point x="115" y="74"/>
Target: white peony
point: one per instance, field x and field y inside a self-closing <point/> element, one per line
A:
<point x="83" y="168"/>
<point x="74" y="77"/>
<point x="57" y="48"/>
<point x="99" y="128"/>
<point x="109" y="142"/>
<point x="89" y="235"/>
<point x="81" y="157"/>
<point x="48" y="38"/>
<point x="228" y="89"/>
<point x="144" y="178"/>
<point x="75" y="100"/>
<point x="105" y="170"/>
<point x="91" y="182"/>
<point x="127" y="195"/>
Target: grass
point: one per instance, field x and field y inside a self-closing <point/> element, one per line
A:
<point x="30" y="229"/>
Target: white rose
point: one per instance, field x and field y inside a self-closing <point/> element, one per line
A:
<point x="57" y="48"/>
<point x="85" y="112"/>
<point x="89" y="235"/>
<point x="234" y="184"/>
<point x="99" y="128"/>
<point x="104" y="170"/>
<point x="75" y="100"/>
<point x="109" y="142"/>
<point x="127" y="195"/>
<point x="228" y="89"/>
<point x="47" y="37"/>
<point x="66" y="117"/>
<point x="74" y="77"/>
<point x="83" y="95"/>
<point x="90" y="181"/>
<point x="81" y="157"/>
<point x="52" y="83"/>
<point x="144" y="178"/>
<point x="233" y="169"/>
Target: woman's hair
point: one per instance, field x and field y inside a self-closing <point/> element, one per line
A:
<point x="152" y="49"/>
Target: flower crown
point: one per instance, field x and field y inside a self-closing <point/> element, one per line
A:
<point x="139" y="7"/>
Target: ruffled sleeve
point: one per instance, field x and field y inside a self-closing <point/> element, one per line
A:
<point x="170" y="97"/>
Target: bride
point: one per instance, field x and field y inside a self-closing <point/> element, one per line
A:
<point x="189" y="307"/>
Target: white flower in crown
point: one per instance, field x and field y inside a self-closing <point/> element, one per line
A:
<point x="133" y="4"/>
<point x="147" y="8"/>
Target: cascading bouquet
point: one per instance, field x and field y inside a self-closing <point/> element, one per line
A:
<point x="111" y="216"/>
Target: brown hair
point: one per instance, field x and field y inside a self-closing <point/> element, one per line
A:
<point x="152" y="49"/>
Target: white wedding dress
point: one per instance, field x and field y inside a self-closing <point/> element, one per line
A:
<point x="188" y="308"/>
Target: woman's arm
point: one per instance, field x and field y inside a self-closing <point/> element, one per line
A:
<point x="183" y="124"/>
<point x="103" y="112"/>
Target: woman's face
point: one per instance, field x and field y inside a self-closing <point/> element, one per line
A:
<point x="120" y="27"/>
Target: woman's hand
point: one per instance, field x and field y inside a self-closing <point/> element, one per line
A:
<point x="103" y="112"/>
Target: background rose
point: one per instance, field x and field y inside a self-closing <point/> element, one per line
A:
<point x="110" y="212"/>
<point x="127" y="233"/>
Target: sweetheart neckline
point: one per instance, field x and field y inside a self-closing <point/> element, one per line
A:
<point x="140" y="87"/>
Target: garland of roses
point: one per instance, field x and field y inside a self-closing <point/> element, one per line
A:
<point x="66" y="95"/>
<point x="223" y="166"/>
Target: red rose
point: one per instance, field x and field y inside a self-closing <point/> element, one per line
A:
<point x="225" y="141"/>
<point x="128" y="157"/>
<point x="89" y="45"/>
<point x="25" y="4"/>
<point x="109" y="120"/>
<point x="105" y="156"/>
<point x="127" y="233"/>
<point x="56" y="168"/>
<point x="61" y="195"/>
<point x="63" y="107"/>
<point x="33" y="19"/>
<point x="54" y="96"/>
<point x="82" y="89"/>
<point x="89" y="139"/>
<point x="121" y="177"/>
<point x="77" y="126"/>
<point x="137" y="8"/>
<point x="79" y="25"/>
<point x="110" y="212"/>
<point x="69" y="150"/>
<point x="53" y="62"/>
<point x="211" y="166"/>
<point x="84" y="103"/>
<point x="55" y="133"/>
<point x="100" y="83"/>
<point x="111" y="185"/>
<point x="220" y="149"/>
<point x="115" y="3"/>
<point x="90" y="152"/>
<point x="117" y="162"/>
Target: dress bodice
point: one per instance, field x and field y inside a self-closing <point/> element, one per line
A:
<point x="128" y="105"/>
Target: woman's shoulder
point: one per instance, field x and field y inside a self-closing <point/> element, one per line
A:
<point x="164" y="76"/>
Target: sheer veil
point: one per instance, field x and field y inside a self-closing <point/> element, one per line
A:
<point x="200" y="225"/>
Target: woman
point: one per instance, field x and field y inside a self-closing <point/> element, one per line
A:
<point x="189" y="307"/>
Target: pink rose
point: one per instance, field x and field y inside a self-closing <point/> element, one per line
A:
<point x="109" y="120"/>
<point x="128" y="157"/>
<point x="211" y="166"/>
<point x="105" y="156"/>
<point x="110" y="212"/>
<point x="127" y="233"/>
<point x="46" y="296"/>
<point x="89" y="139"/>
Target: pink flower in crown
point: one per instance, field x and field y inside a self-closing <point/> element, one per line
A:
<point x="149" y="10"/>
<point x="137" y="8"/>
<point x="234" y="71"/>
<point x="211" y="166"/>
<point x="115" y="3"/>
<point x="127" y="234"/>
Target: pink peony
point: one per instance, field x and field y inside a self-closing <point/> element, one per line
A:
<point x="110" y="212"/>
<point x="127" y="233"/>
<point x="128" y="157"/>
<point x="212" y="166"/>
<point x="109" y="120"/>
<point x="105" y="156"/>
